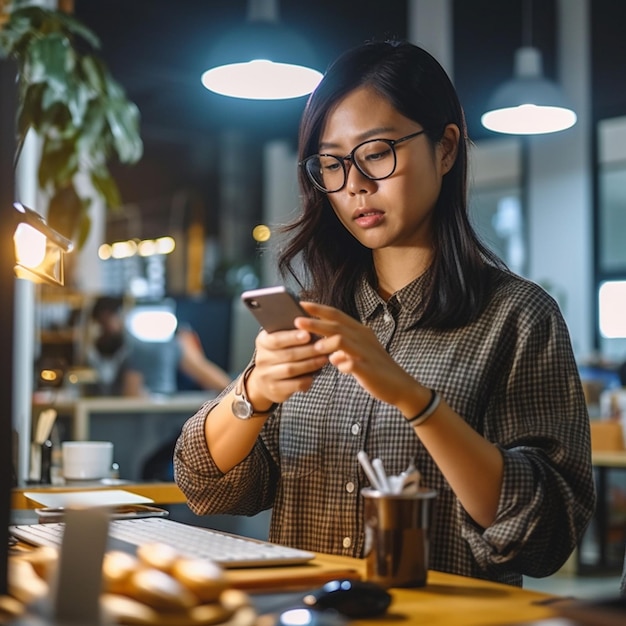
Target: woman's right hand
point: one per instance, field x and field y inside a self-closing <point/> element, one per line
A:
<point x="285" y="362"/>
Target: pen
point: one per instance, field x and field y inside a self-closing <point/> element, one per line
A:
<point x="367" y="468"/>
<point x="377" y="464"/>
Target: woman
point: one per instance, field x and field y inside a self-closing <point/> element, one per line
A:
<point x="427" y="349"/>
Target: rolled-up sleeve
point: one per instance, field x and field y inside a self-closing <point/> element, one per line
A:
<point x="548" y="496"/>
<point x="246" y="489"/>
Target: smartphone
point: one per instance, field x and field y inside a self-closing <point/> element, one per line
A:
<point x="122" y="511"/>
<point x="275" y="308"/>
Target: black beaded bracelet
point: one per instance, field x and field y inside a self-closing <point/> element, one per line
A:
<point x="428" y="410"/>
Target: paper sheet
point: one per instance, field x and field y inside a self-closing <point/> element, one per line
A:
<point x="97" y="497"/>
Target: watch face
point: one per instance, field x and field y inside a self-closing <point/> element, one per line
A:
<point x="241" y="409"/>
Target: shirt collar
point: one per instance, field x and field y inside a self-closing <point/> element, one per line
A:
<point x="409" y="299"/>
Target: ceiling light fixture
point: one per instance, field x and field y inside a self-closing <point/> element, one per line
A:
<point x="529" y="104"/>
<point x="262" y="59"/>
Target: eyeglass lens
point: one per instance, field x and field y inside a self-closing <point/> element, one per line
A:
<point x="375" y="159"/>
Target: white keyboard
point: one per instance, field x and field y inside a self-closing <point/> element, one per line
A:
<point x="224" y="548"/>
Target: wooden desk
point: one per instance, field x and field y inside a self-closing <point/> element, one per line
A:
<point x="160" y="493"/>
<point x="603" y="462"/>
<point x="446" y="600"/>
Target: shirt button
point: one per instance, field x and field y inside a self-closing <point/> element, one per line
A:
<point x="355" y="429"/>
<point x="388" y="317"/>
<point x="350" y="487"/>
<point x="347" y="542"/>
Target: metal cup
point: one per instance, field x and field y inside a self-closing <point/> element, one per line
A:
<point x="397" y="536"/>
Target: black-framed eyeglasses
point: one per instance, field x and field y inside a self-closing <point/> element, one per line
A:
<point x="375" y="158"/>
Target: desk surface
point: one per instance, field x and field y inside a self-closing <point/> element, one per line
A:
<point x="446" y="600"/>
<point x="160" y="493"/>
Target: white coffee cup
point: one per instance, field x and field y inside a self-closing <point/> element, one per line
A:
<point x="87" y="460"/>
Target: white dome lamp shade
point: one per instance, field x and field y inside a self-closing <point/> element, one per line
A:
<point x="529" y="104"/>
<point x="262" y="60"/>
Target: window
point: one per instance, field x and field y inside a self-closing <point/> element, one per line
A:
<point x="611" y="237"/>
<point x="495" y="201"/>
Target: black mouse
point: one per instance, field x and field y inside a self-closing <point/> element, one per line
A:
<point x="350" y="597"/>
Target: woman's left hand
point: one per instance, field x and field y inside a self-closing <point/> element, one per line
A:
<point x="354" y="349"/>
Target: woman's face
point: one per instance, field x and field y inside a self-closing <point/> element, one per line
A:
<point x="394" y="212"/>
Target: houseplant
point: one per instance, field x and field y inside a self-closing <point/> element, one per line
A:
<point x="68" y="97"/>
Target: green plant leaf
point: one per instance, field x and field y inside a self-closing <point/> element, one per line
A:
<point x="94" y="138"/>
<point x="82" y="114"/>
<point x="78" y="95"/>
<point x="70" y="24"/>
<point x="83" y="227"/>
<point x="123" y="118"/>
<point x="65" y="211"/>
<point x="22" y="26"/>
<point x="55" y="119"/>
<point x="94" y="72"/>
<point x="29" y="110"/>
<point x="59" y="163"/>
<point x="51" y="60"/>
<point x="107" y="187"/>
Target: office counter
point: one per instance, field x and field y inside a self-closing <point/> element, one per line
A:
<point x="138" y="427"/>
<point x="81" y="410"/>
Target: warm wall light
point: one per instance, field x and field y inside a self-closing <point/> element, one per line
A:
<point x="529" y="104"/>
<point x="262" y="59"/>
<point x="30" y="246"/>
<point x="39" y="249"/>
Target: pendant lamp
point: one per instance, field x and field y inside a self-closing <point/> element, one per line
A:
<point x="529" y="104"/>
<point x="262" y="59"/>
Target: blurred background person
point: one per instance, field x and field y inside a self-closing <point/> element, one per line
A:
<point x="140" y="353"/>
<point x="107" y="354"/>
<point x="152" y="367"/>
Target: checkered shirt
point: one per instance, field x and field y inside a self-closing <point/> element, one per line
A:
<point x="510" y="374"/>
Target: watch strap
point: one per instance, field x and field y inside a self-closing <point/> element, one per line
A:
<point x="240" y="392"/>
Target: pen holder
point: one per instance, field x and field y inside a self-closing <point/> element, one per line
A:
<point x="397" y="536"/>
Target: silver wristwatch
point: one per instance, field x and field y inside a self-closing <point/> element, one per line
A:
<point x="242" y="407"/>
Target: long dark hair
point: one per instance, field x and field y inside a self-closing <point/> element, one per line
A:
<point x="323" y="257"/>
